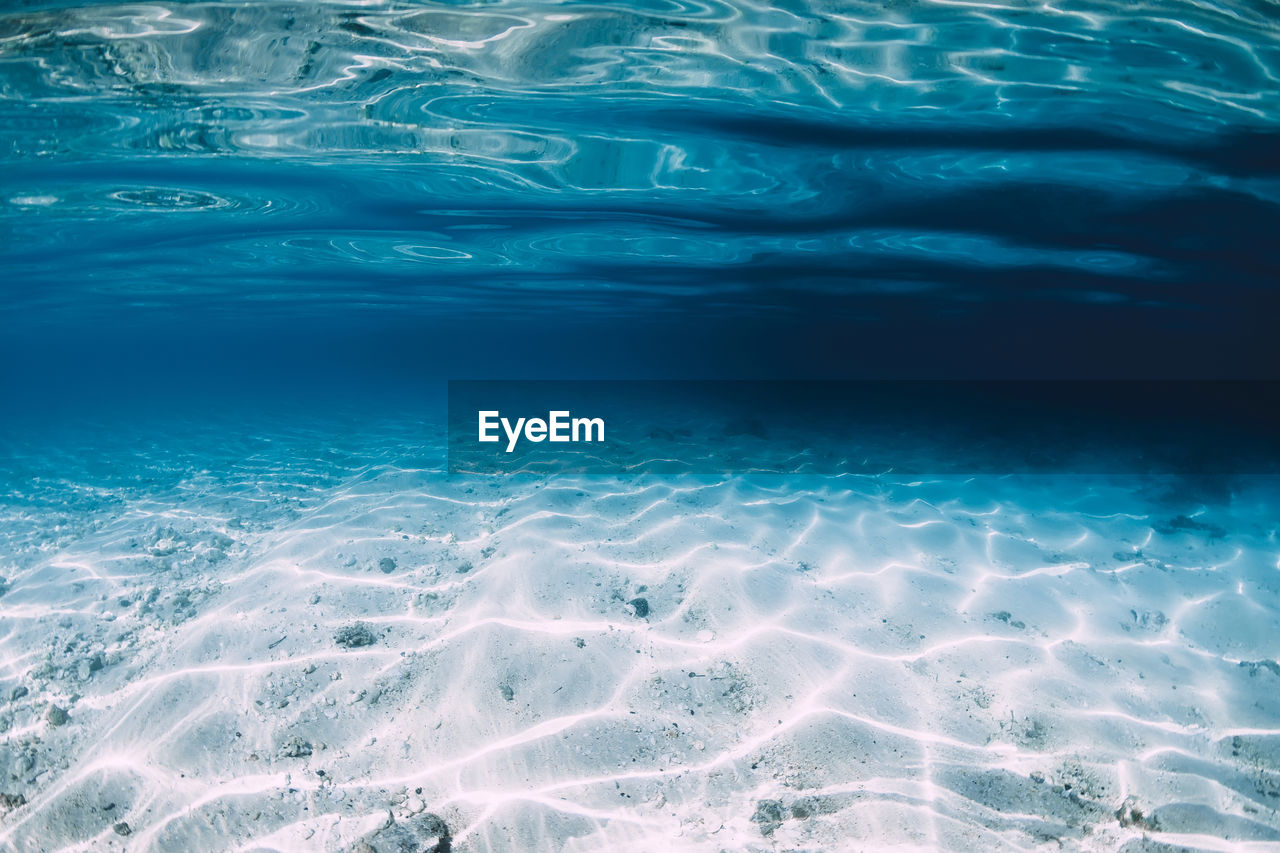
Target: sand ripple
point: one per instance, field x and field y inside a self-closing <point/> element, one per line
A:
<point x="287" y="642"/>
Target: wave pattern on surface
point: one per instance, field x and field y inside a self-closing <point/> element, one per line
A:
<point x="624" y="158"/>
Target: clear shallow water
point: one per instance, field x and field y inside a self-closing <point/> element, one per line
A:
<point x="243" y="244"/>
<point x="821" y="663"/>
<point x="917" y="188"/>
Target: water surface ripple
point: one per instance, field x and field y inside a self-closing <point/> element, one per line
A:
<point x="641" y="157"/>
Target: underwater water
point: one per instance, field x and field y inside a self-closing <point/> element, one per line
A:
<point x="245" y="604"/>
<point x="915" y="188"/>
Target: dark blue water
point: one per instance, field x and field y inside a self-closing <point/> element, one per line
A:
<point x="209" y="194"/>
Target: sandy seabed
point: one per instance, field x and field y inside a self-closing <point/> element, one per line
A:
<point x="279" y="641"/>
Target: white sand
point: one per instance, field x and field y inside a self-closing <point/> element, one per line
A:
<point x="826" y="664"/>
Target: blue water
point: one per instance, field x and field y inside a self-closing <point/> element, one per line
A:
<point x="391" y="191"/>
<point x="245" y="605"/>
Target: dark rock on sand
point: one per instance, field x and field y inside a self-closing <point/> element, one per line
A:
<point x="123" y="828"/>
<point x="768" y="816"/>
<point x="1147" y="620"/>
<point x="433" y="826"/>
<point x="1130" y="815"/>
<point x="641" y="606"/>
<point x="1256" y="666"/>
<point x="427" y="833"/>
<point x="57" y="716"/>
<point x="1007" y="618"/>
<point x="387" y="564"/>
<point x="9" y="802"/>
<point x="295" y="747"/>
<point x="507" y="692"/>
<point x="18" y="693"/>
<point x="355" y="635"/>
<point x="812" y="806"/>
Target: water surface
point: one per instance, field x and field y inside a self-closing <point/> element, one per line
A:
<point x="912" y="188"/>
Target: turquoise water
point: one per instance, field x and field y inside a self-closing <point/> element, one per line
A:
<point x="835" y="189"/>
<point x="244" y="605"/>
